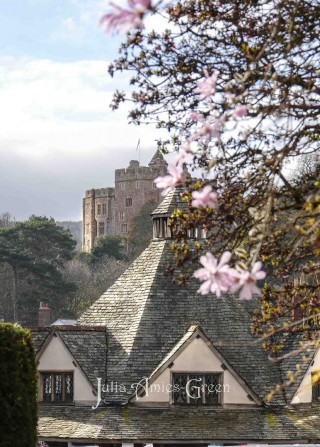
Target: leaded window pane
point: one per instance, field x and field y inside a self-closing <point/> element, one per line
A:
<point x="179" y="388"/>
<point x="69" y="387"/>
<point x="212" y="388"/>
<point x="58" y="387"/>
<point x="47" y="387"/>
<point x="195" y="389"/>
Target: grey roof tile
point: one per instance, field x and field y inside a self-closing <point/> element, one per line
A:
<point x="146" y="314"/>
<point x="86" y="344"/>
<point x="136" y="424"/>
<point x="171" y="202"/>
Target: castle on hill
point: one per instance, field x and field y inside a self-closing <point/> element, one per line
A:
<point x="110" y="210"/>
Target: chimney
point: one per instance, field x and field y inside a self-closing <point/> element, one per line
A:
<point x="44" y="315"/>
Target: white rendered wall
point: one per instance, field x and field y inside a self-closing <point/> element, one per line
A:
<point x="57" y="357"/>
<point x="197" y="357"/>
<point x="304" y="392"/>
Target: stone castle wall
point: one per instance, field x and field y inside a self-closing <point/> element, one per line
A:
<point x="111" y="210"/>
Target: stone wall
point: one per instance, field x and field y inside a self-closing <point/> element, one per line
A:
<point x="111" y="210"/>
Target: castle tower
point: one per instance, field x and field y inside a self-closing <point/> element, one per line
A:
<point x="111" y="210"/>
<point x="134" y="186"/>
<point x="98" y="215"/>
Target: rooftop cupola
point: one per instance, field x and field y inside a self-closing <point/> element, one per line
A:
<point x="161" y="216"/>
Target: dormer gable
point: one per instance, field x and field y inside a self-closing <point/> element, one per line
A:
<point x="194" y="363"/>
<point x="65" y="368"/>
<point x="309" y="391"/>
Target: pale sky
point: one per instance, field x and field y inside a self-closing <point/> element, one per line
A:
<point x="58" y="136"/>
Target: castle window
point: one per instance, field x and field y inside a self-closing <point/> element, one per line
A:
<point x="315" y="378"/>
<point x="108" y="228"/>
<point x="101" y="228"/>
<point x="138" y="184"/>
<point x="121" y="215"/>
<point x="104" y="208"/>
<point x="57" y="387"/>
<point x="154" y="185"/>
<point x="124" y="228"/>
<point x="128" y="201"/>
<point x="122" y="186"/>
<point x="99" y="209"/>
<point x="197" y="389"/>
<point x="87" y="228"/>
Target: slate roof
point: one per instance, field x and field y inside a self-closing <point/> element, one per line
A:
<point x="142" y="425"/>
<point x="88" y="347"/>
<point x="171" y="202"/>
<point x="176" y="348"/>
<point x="38" y="336"/>
<point x="64" y="323"/>
<point x="157" y="158"/>
<point x="146" y="314"/>
<point x="293" y="356"/>
<point x="86" y="344"/>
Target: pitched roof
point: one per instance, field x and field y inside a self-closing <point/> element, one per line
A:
<point x="86" y="344"/>
<point x="64" y="323"/>
<point x="293" y="354"/>
<point x="146" y="315"/>
<point x="183" y="424"/>
<point x="171" y="202"/>
<point x="89" y="350"/>
<point x="192" y="333"/>
<point x="38" y="336"/>
<point x="177" y="347"/>
<point x="157" y="159"/>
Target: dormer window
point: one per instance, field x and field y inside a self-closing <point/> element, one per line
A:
<point x="197" y="389"/>
<point x="57" y="387"/>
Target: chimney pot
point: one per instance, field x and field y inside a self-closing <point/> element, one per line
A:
<point x="44" y="314"/>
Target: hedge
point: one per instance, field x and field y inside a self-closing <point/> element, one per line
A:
<point x="18" y="388"/>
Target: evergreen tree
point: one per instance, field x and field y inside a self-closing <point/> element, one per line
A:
<point x="36" y="250"/>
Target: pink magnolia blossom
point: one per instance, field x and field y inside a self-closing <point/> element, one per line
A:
<point x="247" y="281"/>
<point x="217" y="277"/>
<point x="125" y="19"/>
<point x="168" y="182"/>
<point x="210" y="128"/>
<point x="207" y="87"/>
<point x="185" y="154"/>
<point x="205" y="199"/>
<point x="239" y="112"/>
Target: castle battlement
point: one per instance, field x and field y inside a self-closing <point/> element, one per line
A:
<point x="110" y="210"/>
<point x="100" y="192"/>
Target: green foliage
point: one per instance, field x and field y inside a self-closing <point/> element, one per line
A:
<point x="36" y="251"/>
<point x="140" y="232"/>
<point x="110" y="245"/>
<point x="18" y="388"/>
<point x="84" y="257"/>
